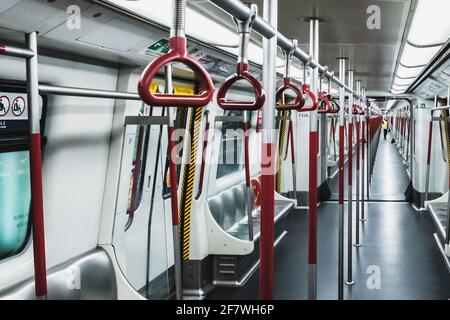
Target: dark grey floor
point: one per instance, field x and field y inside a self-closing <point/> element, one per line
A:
<point x="396" y="240"/>
<point x="389" y="179"/>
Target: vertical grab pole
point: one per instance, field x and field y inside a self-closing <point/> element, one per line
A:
<point x="447" y="134"/>
<point x="363" y="156"/>
<point x="350" y="178"/>
<point x="369" y="156"/>
<point x="430" y="140"/>
<point x="358" y="165"/>
<point x="37" y="202"/>
<point x="267" y="156"/>
<point x="313" y="150"/>
<point x="174" y="187"/>
<point x="341" y="180"/>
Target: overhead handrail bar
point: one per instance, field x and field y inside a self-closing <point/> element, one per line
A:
<point x="238" y="9"/>
<point x="88" y="93"/>
<point x="244" y="29"/>
<point x="242" y="71"/>
<point x="299" y="100"/>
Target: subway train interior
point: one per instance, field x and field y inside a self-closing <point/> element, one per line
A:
<point x="222" y="150"/>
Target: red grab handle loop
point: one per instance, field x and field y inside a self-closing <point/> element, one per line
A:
<point x="177" y="53"/>
<point x="299" y="101"/>
<point x="306" y="91"/>
<point x="358" y="110"/>
<point x="325" y="102"/>
<point x="241" y="74"/>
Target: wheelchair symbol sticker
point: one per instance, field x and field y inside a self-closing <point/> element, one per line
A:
<point x="4" y="105"/>
<point x="18" y="106"/>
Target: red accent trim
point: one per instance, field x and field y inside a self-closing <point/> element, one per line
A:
<point x="241" y="74"/>
<point x="37" y="208"/>
<point x="341" y="163"/>
<point x="267" y="222"/>
<point x="2" y="48"/>
<point x="246" y="155"/>
<point x="177" y="53"/>
<point x="171" y="148"/>
<point x="430" y="140"/>
<point x="358" y="145"/>
<point x="299" y="101"/>
<point x="350" y="154"/>
<point x="312" y="234"/>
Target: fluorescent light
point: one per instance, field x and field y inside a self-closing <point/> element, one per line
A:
<point x="413" y="56"/>
<point x="408" y="72"/>
<point x="401" y="82"/>
<point x="431" y="23"/>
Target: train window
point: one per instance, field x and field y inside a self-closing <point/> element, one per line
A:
<point x="231" y="155"/>
<point x="15" y="198"/>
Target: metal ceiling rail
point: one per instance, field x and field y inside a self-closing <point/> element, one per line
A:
<point x="239" y="10"/>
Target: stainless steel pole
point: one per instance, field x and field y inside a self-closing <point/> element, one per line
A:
<point x="267" y="156"/>
<point x="341" y="180"/>
<point x="313" y="168"/>
<point x="37" y="198"/>
<point x="358" y="164"/>
<point x="350" y="178"/>
<point x="174" y="189"/>
<point x="363" y="158"/>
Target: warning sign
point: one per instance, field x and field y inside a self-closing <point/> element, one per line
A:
<point x="18" y="106"/>
<point x="4" y="105"/>
<point x="160" y="46"/>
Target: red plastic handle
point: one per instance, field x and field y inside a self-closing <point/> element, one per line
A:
<point x="357" y="110"/>
<point x="307" y="91"/>
<point x="177" y="53"/>
<point x="324" y="100"/>
<point x="299" y="101"/>
<point x="241" y="74"/>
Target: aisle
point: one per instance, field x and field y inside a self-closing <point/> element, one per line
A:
<point x="396" y="241"/>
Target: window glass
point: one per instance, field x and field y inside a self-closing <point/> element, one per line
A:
<point x="15" y="198"/>
<point x="231" y="149"/>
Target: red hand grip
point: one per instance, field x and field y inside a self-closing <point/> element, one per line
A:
<point x="299" y="101"/>
<point x="357" y="110"/>
<point x="307" y="91"/>
<point x="241" y="74"/>
<point x="324" y="101"/>
<point x="177" y="53"/>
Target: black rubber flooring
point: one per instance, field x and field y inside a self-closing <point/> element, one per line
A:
<point x="397" y="242"/>
<point x="389" y="179"/>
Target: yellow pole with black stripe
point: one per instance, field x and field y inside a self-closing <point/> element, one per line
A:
<point x="188" y="182"/>
<point x="281" y="150"/>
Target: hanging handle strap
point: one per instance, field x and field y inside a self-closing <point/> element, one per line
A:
<point x="311" y="96"/>
<point x="177" y="53"/>
<point x="299" y="101"/>
<point x="242" y="70"/>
